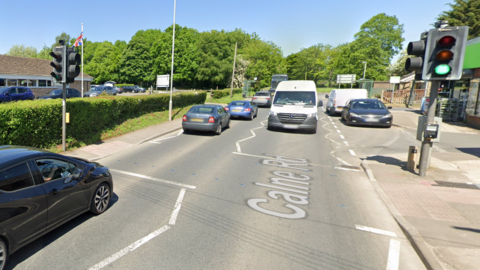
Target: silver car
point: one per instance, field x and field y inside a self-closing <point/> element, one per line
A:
<point x="262" y="98"/>
<point x="97" y="91"/>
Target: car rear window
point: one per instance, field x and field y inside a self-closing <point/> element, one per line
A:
<point x="203" y="110"/>
<point x="237" y="103"/>
<point x="262" y="94"/>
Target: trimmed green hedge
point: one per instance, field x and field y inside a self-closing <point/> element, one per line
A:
<point x="223" y="93"/>
<point x="38" y="123"/>
<point x="123" y="84"/>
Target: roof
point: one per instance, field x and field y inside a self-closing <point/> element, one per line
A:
<point x="294" y="85"/>
<point x="15" y="65"/>
<point x="11" y="153"/>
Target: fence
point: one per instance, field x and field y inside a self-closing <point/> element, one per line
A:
<point x="401" y="96"/>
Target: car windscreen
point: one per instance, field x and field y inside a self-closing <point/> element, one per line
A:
<point x="262" y="94"/>
<point x="97" y="89"/>
<point x="238" y="103"/>
<point x="367" y="105"/>
<point x="201" y="110"/>
<point x="2" y="90"/>
<point x="55" y="92"/>
<point x="295" y="98"/>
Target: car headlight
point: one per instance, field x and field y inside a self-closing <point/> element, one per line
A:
<point x="93" y="95"/>
<point x="354" y="115"/>
<point x="272" y="113"/>
<point x="312" y="115"/>
<point x="388" y="115"/>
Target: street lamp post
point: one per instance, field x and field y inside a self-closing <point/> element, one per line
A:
<point x="171" y="77"/>
<point x="364" y="68"/>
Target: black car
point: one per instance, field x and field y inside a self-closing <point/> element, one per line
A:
<point x="206" y="118"/>
<point x="367" y="112"/>
<point x="130" y="89"/>
<point x="58" y="93"/>
<point x="40" y="190"/>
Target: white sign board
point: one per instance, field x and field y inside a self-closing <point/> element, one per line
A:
<point x="163" y="80"/>
<point x="395" y="79"/>
<point x="346" y="78"/>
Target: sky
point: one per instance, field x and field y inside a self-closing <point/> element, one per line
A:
<point x="292" y="25"/>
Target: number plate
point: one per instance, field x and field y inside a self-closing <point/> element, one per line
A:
<point x="196" y="120"/>
<point x="290" y="126"/>
<point x="236" y="110"/>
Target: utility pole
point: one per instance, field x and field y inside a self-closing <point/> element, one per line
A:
<point x="173" y="50"/>
<point x="427" y="143"/>
<point x="233" y="73"/>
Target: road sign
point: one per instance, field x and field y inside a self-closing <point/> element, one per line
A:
<point x="163" y="80"/>
<point x="346" y="78"/>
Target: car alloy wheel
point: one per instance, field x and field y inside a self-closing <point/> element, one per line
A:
<point x="252" y="116"/>
<point x="219" y="129"/>
<point x="101" y="198"/>
<point x="3" y="254"/>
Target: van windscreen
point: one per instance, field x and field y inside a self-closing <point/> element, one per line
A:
<point x="295" y="98"/>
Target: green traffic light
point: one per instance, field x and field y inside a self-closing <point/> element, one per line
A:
<point x="442" y="69"/>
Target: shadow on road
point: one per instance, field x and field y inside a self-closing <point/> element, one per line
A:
<point x="390" y="161"/>
<point x="474" y="151"/>
<point x="467" y="229"/>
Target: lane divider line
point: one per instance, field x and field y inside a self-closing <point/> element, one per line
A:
<point x="154" y="179"/>
<point x="129" y="249"/>
<point x="237" y="144"/>
<point x="341" y="136"/>
<point x="177" y="207"/>
<point x="373" y="230"/>
<point x="352" y="153"/>
<point x="267" y="157"/>
<point x="345" y="142"/>
<point x="393" y="255"/>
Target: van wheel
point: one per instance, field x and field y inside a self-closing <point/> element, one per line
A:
<point x="330" y="112"/>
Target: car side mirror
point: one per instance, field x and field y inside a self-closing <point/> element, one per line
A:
<point x="389" y="107"/>
<point x="326" y="96"/>
<point x="320" y="103"/>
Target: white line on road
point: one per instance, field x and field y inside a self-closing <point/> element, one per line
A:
<point x="155" y="142"/>
<point x="164" y="138"/>
<point x="267" y="157"/>
<point x="180" y="132"/>
<point x="178" y="205"/>
<point x="343" y="161"/>
<point x="338" y="131"/>
<point x="393" y="255"/>
<point x="253" y="136"/>
<point x="154" y="179"/>
<point x="341" y="136"/>
<point x="352" y="153"/>
<point x="377" y="231"/>
<point x="345" y="142"/>
<point x="130" y="248"/>
<point x="346" y="169"/>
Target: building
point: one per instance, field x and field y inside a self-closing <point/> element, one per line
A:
<point x="34" y="74"/>
<point x="471" y="66"/>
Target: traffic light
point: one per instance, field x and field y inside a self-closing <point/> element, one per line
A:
<point x="73" y="65"/>
<point x="445" y="53"/>
<point x="57" y="64"/>
<point x="417" y="49"/>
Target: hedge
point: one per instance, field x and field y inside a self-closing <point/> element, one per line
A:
<point x="38" y="123"/>
<point x="226" y="92"/>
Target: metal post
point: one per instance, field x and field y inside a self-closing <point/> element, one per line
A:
<point x="64" y="96"/>
<point x="411" y="93"/>
<point x="82" y="60"/>
<point x="364" y="68"/>
<point x="427" y="143"/>
<point x="233" y="74"/>
<point x="173" y="50"/>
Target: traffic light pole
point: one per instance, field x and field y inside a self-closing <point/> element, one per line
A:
<point x="427" y="142"/>
<point x="64" y="97"/>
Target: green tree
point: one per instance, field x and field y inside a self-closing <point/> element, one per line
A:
<point x="44" y="53"/>
<point x="22" y="51"/>
<point x="398" y="68"/>
<point x="135" y="62"/>
<point x="63" y="36"/>
<point x="464" y="12"/>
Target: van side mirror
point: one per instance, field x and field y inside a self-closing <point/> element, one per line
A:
<point x="326" y="96"/>
<point x="320" y="103"/>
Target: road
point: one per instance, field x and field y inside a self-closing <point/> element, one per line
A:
<point x="247" y="199"/>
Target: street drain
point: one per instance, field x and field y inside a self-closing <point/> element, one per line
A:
<point x="456" y="185"/>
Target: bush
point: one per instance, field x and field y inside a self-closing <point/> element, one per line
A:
<point x="38" y="123"/>
<point x="216" y="94"/>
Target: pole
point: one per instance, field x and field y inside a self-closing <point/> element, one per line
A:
<point x="173" y="50"/>
<point x="233" y="74"/>
<point x="427" y="143"/>
<point x="411" y="93"/>
<point x="64" y="96"/>
<point x="82" y="60"/>
<point x="364" y="68"/>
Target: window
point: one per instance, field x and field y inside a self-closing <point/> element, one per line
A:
<point x="32" y="82"/>
<point x="3" y="82"/>
<point x="49" y="83"/>
<point x="12" y="91"/>
<point x="202" y="110"/>
<point x="21" y="90"/>
<point x="42" y="83"/>
<point x="23" y="82"/>
<point x="52" y="169"/>
<point x="12" y="82"/>
<point x="16" y="178"/>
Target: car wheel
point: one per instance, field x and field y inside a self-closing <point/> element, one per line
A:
<point x="252" y="116"/>
<point x="228" y="124"/>
<point x="219" y="129"/>
<point x="3" y="254"/>
<point x="101" y="199"/>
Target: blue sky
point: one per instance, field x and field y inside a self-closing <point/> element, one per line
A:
<point x="292" y="25"/>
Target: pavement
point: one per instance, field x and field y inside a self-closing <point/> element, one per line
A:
<point x="439" y="213"/>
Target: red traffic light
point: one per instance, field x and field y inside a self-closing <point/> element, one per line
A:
<point x="447" y="41"/>
<point x="444" y="55"/>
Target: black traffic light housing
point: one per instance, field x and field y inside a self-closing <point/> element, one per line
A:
<point x="445" y="53"/>
<point x="58" y="64"/>
<point x="72" y="65"/>
<point x="417" y="49"/>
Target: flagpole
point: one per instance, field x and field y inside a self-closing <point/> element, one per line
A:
<point x="82" y="60"/>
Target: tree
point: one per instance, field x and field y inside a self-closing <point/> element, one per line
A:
<point x="63" y="36"/>
<point x="398" y="68"/>
<point x="44" y="53"/>
<point x="385" y="29"/>
<point x="22" y="51"/>
<point x="464" y="12"/>
<point x="135" y="62"/>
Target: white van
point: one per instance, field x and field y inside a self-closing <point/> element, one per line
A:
<point x="294" y="106"/>
<point x="338" y="98"/>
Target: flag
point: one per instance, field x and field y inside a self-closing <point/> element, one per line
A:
<point x="79" y="42"/>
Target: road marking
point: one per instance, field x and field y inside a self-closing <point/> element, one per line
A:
<point x="393" y="255"/>
<point x="177" y="207"/>
<point x="130" y="248"/>
<point x="267" y="157"/>
<point x="345" y="142"/>
<point x="343" y="161"/>
<point x="156" y="142"/>
<point x="166" y="138"/>
<point x="154" y="179"/>
<point x="334" y="126"/>
<point x="338" y="131"/>
<point x="253" y="136"/>
<point x="377" y="231"/>
<point x="352" y="153"/>
<point x="346" y="169"/>
<point x="180" y="132"/>
<point x="341" y="136"/>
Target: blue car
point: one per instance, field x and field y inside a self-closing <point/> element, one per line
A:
<point x="243" y="109"/>
<point x="15" y="93"/>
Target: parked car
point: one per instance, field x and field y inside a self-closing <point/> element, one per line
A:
<point x="130" y="89"/>
<point x="41" y="190"/>
<point x="206" y="118"/>
<point x="262" y="98"/>
<point x="242" y="108"/>
<point x="338" y="98"/>
<point x="58" y="93"/>
<point x="138" y="89"/>
<point x="99" y="90"/>
<point x="15" y="93"/>
<point x="118" y="89"/>
<point x="110" y="83"/>
<point x="368" y="112"/>
<point x="94" y="86"/>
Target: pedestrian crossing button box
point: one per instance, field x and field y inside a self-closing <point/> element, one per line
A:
<point x="431" y="131"/>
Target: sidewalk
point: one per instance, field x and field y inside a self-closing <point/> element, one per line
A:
<point x="439" y="213"/>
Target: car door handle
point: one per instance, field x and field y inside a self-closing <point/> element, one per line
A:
<point x="53" y="192"/>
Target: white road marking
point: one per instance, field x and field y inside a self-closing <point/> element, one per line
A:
<point x="352" y="153"/>
<point x="154" y="179"/>
<point x="341" y="136"/>
<point x="164" y="138"/>
<point x="180" y="132"/>
<point x="393" y="255"/>
<point x="343" y="161"/>
<point x="346" y="169"/>
<point x="345" y="142"/>
<point x="267" y="157"/>
<point x="377" y="231"/>
<point x="178" y="205"/>
<point x="155" y="142"/>
<point x="253" y="136"/>
<point x="338" y="131"/>
<point x="130" y="248"/>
